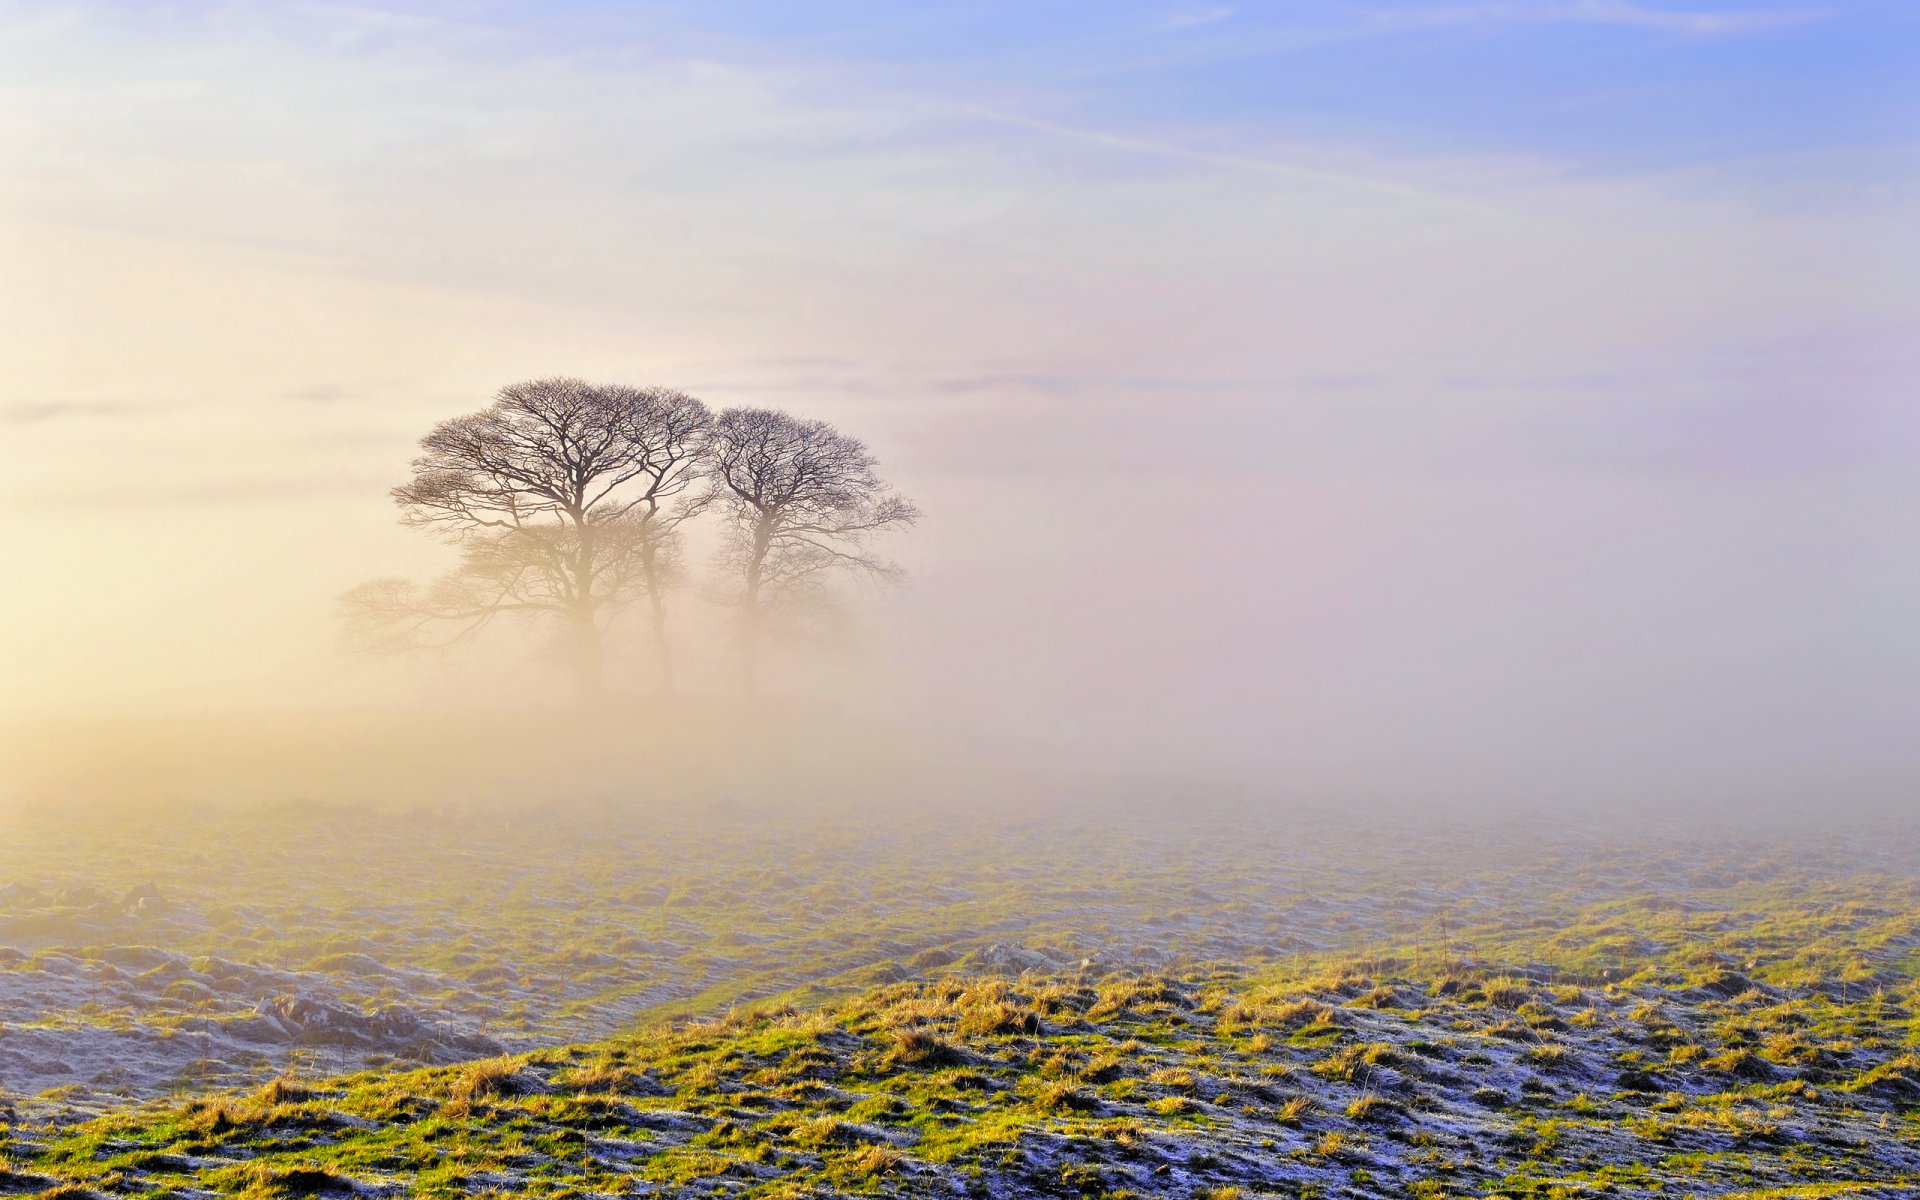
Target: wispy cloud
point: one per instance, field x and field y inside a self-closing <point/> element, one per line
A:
<point x="1193" y="18"/>
<point x="249" y="490"/>
<point x="1624" y="13"/>
<point x="38" y="411"/>
<point x="1299" y="172"/>
<point x="1350" y="24"/>
<point x="1621" y="12"/>
<point x="321" y="393"/>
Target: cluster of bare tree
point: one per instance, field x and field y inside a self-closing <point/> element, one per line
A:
<point x="568" y="502"/>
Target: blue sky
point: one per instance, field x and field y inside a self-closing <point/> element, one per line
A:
<point x="1620" y="83"/>
<point x="1597" y="84"/>
<point x="1626" y="84"/>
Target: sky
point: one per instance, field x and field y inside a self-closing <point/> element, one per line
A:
<point x="1468" y="397"/>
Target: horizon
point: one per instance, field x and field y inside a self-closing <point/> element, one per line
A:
<point x="764" y="599"/>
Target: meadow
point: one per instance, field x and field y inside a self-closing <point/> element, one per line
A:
<point x="1174" y="994"/>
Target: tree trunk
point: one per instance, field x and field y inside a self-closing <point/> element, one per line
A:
<point x="588" y="664"/>
<point x="662" y="648"/>
<point x="750" y="608"/>
<point x="589" y="668"/>
<point x="657" y="612"/>
<point x="750" y="643"/>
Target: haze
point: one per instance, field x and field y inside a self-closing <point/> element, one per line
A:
<point x="1405" y="400"/>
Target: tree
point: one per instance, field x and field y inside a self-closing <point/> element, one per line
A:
<point x="672" y="431"/>
<point x="564" y="498"/>
<point x="799" y="500"/>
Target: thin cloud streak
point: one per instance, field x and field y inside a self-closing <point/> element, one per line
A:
<point x="1620" y="13"/>
<point x="1238" y="162"/>
<point x="42" y="411"/>
<point x="1205" y="16"/>
<point x="1231" y="37"/>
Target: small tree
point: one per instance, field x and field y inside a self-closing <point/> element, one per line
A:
<point x="564" y="498"/>
<point x="799" y="500"/>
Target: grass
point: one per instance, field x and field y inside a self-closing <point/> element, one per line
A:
<point x="1217" y="1000"/>
<point x="861" y="1095"/>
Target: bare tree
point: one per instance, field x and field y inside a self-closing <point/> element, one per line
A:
<point x="672" y="431"/>
<point x="564" y="498"/>
<point x="799" y="500"/>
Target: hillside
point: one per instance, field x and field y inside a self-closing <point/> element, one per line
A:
<point x="160" y="950"/>
<point x="1078" y="999"/>
<point x="1216" y="1084"/>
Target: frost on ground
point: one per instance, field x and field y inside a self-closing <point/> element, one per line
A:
<point x="173" y="949"/>
<point x="1339" y="1085"/>
<point x="1087" y="998"/>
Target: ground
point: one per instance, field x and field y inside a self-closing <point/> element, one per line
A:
<point x="1084" y="997"/>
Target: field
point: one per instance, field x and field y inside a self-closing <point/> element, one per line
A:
<point x="1165" y="994"/>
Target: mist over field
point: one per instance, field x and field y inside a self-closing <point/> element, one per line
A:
<point x="773" y="600"/>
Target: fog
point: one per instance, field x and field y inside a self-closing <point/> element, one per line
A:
<point x="1326" y="468"/>
<point x="836" y="597"/>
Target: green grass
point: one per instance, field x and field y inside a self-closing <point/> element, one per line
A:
<point x="1057" y="1086"/>
<point x="1276" y="1001"/>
